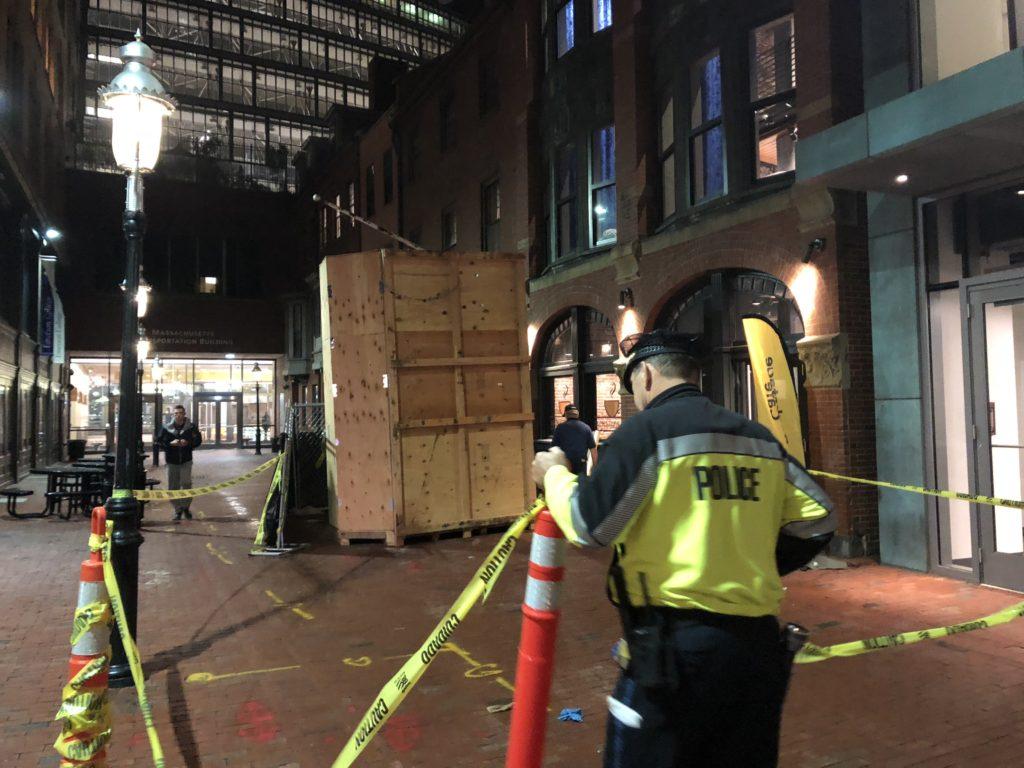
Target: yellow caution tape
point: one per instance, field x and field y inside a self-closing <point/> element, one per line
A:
<point x="392" y="695"/>
<point x="85" y="712"/>
<point x="989" y="500"/>
<point x="258" y="541"/>
<point x="86" y="617"/>
<point x="812" y="653"/>
<point x="131" y="652"/>
<point x="191" y="493"/>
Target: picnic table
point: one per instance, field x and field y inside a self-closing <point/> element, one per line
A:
<point x="77" y="487"/>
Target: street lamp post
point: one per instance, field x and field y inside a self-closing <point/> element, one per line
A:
<point x="138" y="102"/>
<point x="158" y="408"/>
<point x="257" y="370"/>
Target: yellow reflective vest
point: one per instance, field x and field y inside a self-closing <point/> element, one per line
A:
<point x="697" y="500"/>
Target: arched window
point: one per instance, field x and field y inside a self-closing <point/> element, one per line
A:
<point x="714" y="309"/>
<point x="575" y="366"/>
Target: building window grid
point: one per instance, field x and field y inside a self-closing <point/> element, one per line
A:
<point x="773" y="97"/>
<point x="226" y="33"/>
<point x="234" y="81"/>
<point x="116" y="14"/>
<point x="178" y="23"/>
<point x="190" y="74"/>
<point x="603" y="204"/>
<point x="707" y="133"/>
<point x="285" y="92"/>
<point x="566" y="214"/>
<point x="273" y="43"/>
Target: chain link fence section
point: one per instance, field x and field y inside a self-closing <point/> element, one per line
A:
<point x="305" y="478"/>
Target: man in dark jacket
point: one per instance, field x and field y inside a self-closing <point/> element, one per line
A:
<point x="576" y="439"/>
<point x="177" y="440"/>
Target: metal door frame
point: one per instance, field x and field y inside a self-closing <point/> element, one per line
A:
<point x="219" y="397"/>
<point x="990" y="566"/>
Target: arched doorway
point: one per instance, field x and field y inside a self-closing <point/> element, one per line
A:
<point x="713" y="308"/>
<point x="574" y="365"/>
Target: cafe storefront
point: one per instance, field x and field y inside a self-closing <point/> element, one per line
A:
<point x="227" y="398"/>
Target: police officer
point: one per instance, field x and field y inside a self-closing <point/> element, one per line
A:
<point x="705" y="511"/>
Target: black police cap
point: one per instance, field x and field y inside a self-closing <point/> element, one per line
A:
<point x="642" y="346"/>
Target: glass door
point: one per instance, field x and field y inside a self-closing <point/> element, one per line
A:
<point x="995" y="382"/>
<point x="218" y="418"/>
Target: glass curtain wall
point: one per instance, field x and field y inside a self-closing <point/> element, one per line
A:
<point x="177" y="381"/>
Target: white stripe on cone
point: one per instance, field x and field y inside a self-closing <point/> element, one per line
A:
<point x="96" y="639"/>
<point x="547" y="551"/>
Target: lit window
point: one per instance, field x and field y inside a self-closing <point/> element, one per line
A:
<point x="208" y="284"/>
<point x="602" y="14"/>
<point x="602" y="186"/>
<point x="565" y="29"/>
<point x="707" y="135"/>
<point x="352" y="200"/>
<point x="337" y="217"/>
<point x="773" y="96"/>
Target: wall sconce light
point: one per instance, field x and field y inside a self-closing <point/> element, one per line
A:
<point x="816" y="245"/>
<point x="626" y="298"/>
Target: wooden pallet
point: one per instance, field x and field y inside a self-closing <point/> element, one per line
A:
<point x="457" y="531"/>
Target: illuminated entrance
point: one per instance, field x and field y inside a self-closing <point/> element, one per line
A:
<point x="218" y="394"/>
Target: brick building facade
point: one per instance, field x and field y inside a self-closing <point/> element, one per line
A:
<point x="40" y="94"/>
<point x="645" y="153"/>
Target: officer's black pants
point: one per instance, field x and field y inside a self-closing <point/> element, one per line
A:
<point x="723" y="707"/>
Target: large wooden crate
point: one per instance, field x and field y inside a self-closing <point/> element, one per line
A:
<point x="427" y="390"/>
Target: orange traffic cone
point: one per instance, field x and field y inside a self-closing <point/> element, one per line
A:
<point x="84" y="708"/>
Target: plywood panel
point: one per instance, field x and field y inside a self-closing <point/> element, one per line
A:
<point x="492" y="390"/>
<point x="364" y="484"/>
<point x="489" y="294"/>
<point x="496" y="464"/>
<point x="430" y="478"/>
<point x="424" y="345"/>
<point x="420" y="287"/>
<point x="426" y="393"/>
<point x="446" y="441"/>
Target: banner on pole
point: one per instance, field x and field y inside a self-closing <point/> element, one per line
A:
<point x="777" y="405"/>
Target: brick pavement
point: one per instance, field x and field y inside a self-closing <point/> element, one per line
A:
<point x="328" y="627"/>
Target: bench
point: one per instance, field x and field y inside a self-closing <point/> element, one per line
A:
<point x="83" y="500"/>
<point x="12" y="495"/>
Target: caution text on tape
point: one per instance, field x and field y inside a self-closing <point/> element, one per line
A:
<point x="389" y="698"/>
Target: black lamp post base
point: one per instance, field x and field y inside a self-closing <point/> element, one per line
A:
<point x="121" y="675"/>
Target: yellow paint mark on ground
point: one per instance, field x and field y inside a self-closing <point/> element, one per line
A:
<point x="209" y="677"/>
<point x="219" y="554"/>
<point x="295" y="608"/>
<point x="477" y="670"/>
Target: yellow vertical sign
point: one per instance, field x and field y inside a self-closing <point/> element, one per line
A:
<point x="777" y="406"/>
